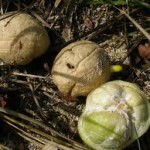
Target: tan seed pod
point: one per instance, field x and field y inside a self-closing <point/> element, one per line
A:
<point x="80" y="67"/>
<point x="22" y="38"/>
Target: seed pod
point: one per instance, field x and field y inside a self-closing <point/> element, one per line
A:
<point x="80" y="67"/>
<point x="116" y="114"/>
<point x="22" y="38"/>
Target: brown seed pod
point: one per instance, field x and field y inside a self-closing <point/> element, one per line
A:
<point x="80" y="67"/>
<point x="22" y="38"/>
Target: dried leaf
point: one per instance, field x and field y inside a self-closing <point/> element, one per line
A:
<point x="144" y="50"/>
<point x="57" y="2"/>
<point x="88" y="23"/>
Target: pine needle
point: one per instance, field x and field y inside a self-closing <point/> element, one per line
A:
<point x="147" y="35"/>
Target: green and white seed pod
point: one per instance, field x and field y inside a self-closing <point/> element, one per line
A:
<point x="115" y="115"/>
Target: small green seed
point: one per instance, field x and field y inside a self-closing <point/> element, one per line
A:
<point x="116" y="68"/>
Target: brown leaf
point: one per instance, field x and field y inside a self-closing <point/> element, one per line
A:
<point x="144" y="50"/>
<point x="88" y="23"/>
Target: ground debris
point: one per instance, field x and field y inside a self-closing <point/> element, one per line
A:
<point x="29" y="90"/>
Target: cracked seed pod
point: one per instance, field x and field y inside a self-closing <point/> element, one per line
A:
<point x="80" y="67"/>
<point x="22" y="38"/>
<point x="116" y="114"/>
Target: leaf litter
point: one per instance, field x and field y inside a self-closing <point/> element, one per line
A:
<point x="33" y="113"/>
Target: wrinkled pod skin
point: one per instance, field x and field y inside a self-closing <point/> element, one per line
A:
<point x="80" y="67"/>
<point x="22" y="38"/>
<point x="115" y="115"/>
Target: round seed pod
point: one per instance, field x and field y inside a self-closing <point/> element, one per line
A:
<point x="22" y="38"/>
<point x="80" y="67"/>
<point x="115" y="115"/>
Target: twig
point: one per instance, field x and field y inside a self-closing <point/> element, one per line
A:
<point x="37" y="131"/>
<point x="4" y="147"/>
<point x="26" y="135"/>
<point x="6" y="9"/>
<point x="40" y="124"/>
<point x="38" y="85"/>
<point x="125" y="29"/>
<point x="1" y="9"/>
<point x="131" y="50"/>
<point x="62" y="106"/>
<point x="6" y="15"/>
<point x="30" y="140"/>
<point x="27" y="75"/>
<point x="100" y="29"/>
<point x="147" y="35"/>
<point x="34" y="98"/>
<point x="59" y="146"/>
<point x="27" y="127"/>
<point x="24" y="117"/>
<point x="19" y="81"/>
<point x="46" y="24"/>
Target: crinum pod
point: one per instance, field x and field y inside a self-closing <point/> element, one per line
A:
<point x="80" y="67"/>
<point x="115" y="115"/>
<point x="22" y="38"/>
